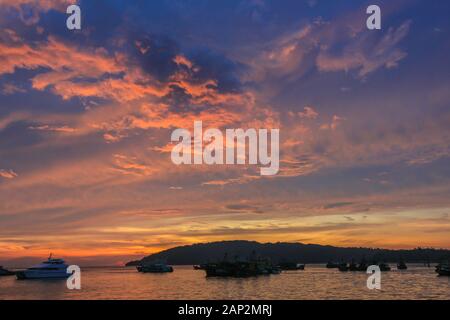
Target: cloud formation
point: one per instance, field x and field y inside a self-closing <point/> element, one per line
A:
<point x="85" y="123"/>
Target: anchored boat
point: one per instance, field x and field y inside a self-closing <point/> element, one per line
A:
<point x="332" y="265"/>
<point x="200" y="266"/>
<point x="384" y="267"/>
<point x="402" y="265"/>
<point x="343" y="266"/>
<point x="50" y="269"/>
<point x="158" y="267"/>
<point x="443" y="268"/>
<point x="291" y="266"/>
<point x="4" y="272"/>
<point x="253" y="266"/>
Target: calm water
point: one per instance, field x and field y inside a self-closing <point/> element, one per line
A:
<point x="316" y="282"/>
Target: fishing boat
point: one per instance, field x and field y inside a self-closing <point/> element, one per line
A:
<point x="353" y="266"/>
<point x="443" y="269"/>
<point x="158" y="267"/>
<point x="384" y="267"/>
<point x="4" y="272"/>
<point x="332" y="265"/>
<point x="362" y="265"/>
<point x="199" y="266"/>
<point x="275" y="270"/>
<point x="241" y="268"/>
<point x="291" y="266"/>
<point x="50" y="269"/>
<point x="401" y="265"/>
<point x="230" y="269"/>
<point x="343" y="266"/>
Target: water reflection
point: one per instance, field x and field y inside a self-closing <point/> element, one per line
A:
<point x="316" y="282"/>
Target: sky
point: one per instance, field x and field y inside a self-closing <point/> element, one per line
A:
<point x="86" y="118"/>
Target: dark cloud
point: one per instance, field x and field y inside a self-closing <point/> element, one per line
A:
<point x="213" y="65"/>
<point x="154" y="53"/>
<point x="337" y="205"/>
<point x="244" y="207"/>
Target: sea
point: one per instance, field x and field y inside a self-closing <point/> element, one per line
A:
<point x="314" y="283"/>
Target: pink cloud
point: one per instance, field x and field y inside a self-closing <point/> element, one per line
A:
<point x="365" y="56"/>
<point x="8" y="174"/>
<point x="308" y="113"/>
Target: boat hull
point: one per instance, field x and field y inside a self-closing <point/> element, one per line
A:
<point x="230" y="272"/>
<point x="443" y="269"/>
<point x="444" y="272"/>
<point x="154" y="269"/>
<point x="6" y="273"/>
<point x="240" y="269"/>
<point x="384" y="267"/>
<point x="343" y="267"/>
<point x="332" y="265"/>
<point x="32" y="274"/>
<point x="291" y="266"/>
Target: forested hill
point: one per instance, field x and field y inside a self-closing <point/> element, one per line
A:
<point x="281" y="251"/>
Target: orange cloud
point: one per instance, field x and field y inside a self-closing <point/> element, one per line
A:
<point x="7" y="174"/>
<point x="63" y="129"/>
<point x="131" y="165"/>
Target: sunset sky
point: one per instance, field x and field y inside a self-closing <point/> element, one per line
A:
<point x="86" y="118"/>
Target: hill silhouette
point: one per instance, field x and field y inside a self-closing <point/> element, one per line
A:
<point x="283" y="251"/>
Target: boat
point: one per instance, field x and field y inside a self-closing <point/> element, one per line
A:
<point x="231" y="269"/>
<point x="353" y="266"/>
<point x="291" y="266"/>
<point x="332" y="265"/>
<point x="443" y="268"/>
<point x="384" y="267"/>
<point x="157" y="267"/>
<point x="4" y="272"/>
<point x="275" y="270"/>
<point x="401" y="265"/>
<point x="199" y="266"/>
<point x="241" y="268"/>
<point x="50" y="269"/>
<point x="343" y="266"/>
<point x="363" y="265"/>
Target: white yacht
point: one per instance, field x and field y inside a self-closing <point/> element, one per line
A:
<point x="50" y="269"/>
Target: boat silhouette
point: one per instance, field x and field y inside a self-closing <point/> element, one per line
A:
<point x="4" y="272"/>
<point x="155" y="267"/>
<point x="443" y="268"/>
<point x="241" y="268"/>
<point x="332" y="265"/>
<point x="401" y="265"/>
<point x="286" y="266"/>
